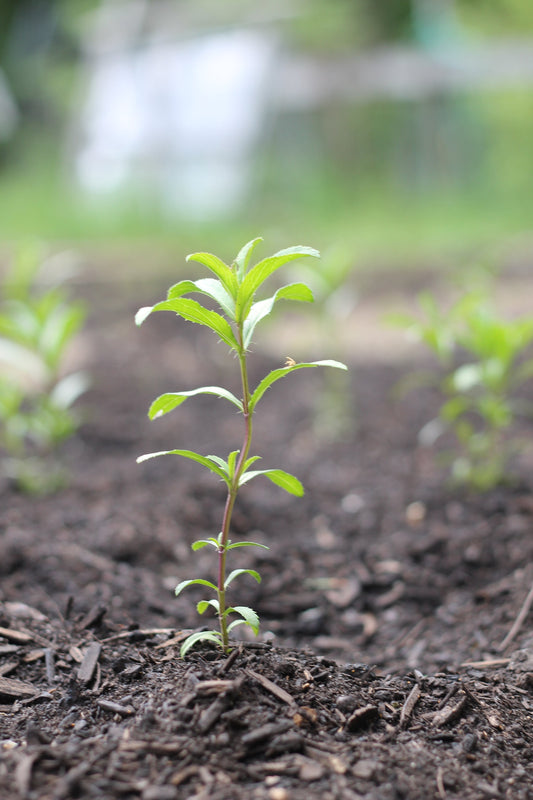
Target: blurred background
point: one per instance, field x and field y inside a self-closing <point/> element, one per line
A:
<point x="384" y="133"/>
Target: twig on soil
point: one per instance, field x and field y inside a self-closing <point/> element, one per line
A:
<point x="489" y="662"/>
<point x="409" y="705"/>
<point x="147" y="632"/>
<point x="519" y="621"/>
<point x="440" y="783"/>
<point x="272" y="687"/>
<point x="49" y="663"/>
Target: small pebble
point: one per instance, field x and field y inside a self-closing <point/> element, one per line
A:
<point x="415" y="513"/>
<point x="278" y="793"/>
<point x="346" y="702"/>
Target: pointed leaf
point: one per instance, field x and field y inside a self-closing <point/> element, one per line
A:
<point x="199" y="543"/>
<point x="232" y="459"/>
<point x="236" y="572"/>
<point x="200" y="636"/>
<point x="171" y="400"/>
<point x="203" y="605"/>
<point x="243" y="258"/>
<point x="208" y="286"/>
<point x="192" y="311"/>
<point x="183" y="585"/>
<point x="276" y="374"/>
<point x="181" y="288"/>
<point x="221" y="463"/>
<point x="142" y="313"/>
<point x="261" y="309"/>
<point x="278" y="476"/>
<point x="261" y="271"/>
<point x="247" y="544"/>
<point x="221" y="270"/>
<point x="249" y="617"/>
<point x="206" y="461"/>
<point x="250" y="461"/>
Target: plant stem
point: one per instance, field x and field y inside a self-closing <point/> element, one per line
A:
<point x="232" y="495"/>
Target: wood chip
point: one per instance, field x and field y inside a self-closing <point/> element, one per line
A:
<point x="183" y="775"/>
<point x="449" y="713"/>
<point x="361" y="717"/>
<point x="20" y="637"/>
<point x="311" y="771"/>
<point x="50" y="666"/>
<point x="14" y="688"/>
<point x="365" y="768"/>
<point x="267" y="731"/>
<point x="8" y="667"/>
<point x="93" y="617"/>
<point x="23" y="774"/>
<point x="212" y="714"/>
<point x="5" y="649"/>
<point x="90" y="659"/>
<point x="271" y="687"/>
<point x="409" y="705"/>
<point x="116" y="708"/>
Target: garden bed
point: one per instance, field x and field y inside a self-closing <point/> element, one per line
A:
<point x="389" y="664"/>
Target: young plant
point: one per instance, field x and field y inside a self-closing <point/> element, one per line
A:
<point x="233" y="289"/>
<point x="484" y="361"/>
<point x="37" y="325"/>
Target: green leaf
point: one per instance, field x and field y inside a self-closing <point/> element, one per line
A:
<point x="262" y="270"/>
<point x="200" y="581"/>
<point x="243" y="258"/>
<point x="199" y="543"/>
<point x="57" y="329"/>
<point x="171" y="400"/>
<point x="250" y="461"/>
<point x="192" y="311"/>
<point x="69" y="389"/>
<point x="276" y="374"/>
<point x="221" y="463"/>
<point x="466" y="377"/>
<point x="249" y="617"/>
<point x="142" y="314"/>
<point x="209" y="287"/>
<point x="278" y="476"/>
<point x="247" y="544"/>
<point x="217" y="266"/>
<point x="236" y="572"/>
<point x="203" y="605"/>
<point x="200" y="636"/>
<point x="261" y="309"/>
<point x="232" y="459"/>
<point x="206" y="461"/>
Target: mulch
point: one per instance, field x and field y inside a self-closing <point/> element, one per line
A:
<point x="395" y="658"/>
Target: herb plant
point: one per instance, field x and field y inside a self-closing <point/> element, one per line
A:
<point x="484" y="362"/>
<point x="37" y="325"/>
<point x="233" y="289"/>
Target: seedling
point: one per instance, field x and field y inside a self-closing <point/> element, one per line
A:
<point x="233" y="290"/>
<point x="483" y="359"/>
<point x="37" y="324"/>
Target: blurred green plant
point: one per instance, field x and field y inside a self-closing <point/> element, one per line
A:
<point x="37" y="325"/>
<point x="336" y="298"/>
<point x="484" y="361"/>
<point x="233" y="290"/>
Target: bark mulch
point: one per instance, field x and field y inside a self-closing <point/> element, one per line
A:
<point x="395" y="658"/>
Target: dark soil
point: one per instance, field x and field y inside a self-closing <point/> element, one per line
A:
<point x="388" y="664"/>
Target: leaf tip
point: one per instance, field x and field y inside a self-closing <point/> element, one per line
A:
<point x="142" y="313"/>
